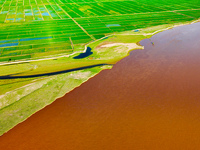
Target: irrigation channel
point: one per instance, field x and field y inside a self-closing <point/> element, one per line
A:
<point x="149" y="100"/>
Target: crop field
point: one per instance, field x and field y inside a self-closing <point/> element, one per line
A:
<point x="32" y="29"/>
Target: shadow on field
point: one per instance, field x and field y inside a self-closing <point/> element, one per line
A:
<point x="49" y="74"/>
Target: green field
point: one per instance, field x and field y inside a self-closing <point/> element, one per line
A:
<point x="32" y="29"/>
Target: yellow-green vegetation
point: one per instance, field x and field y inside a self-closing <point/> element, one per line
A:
<point x="19" y="104"/>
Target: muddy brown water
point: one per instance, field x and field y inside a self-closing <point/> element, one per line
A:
<point x="149" y="100"/>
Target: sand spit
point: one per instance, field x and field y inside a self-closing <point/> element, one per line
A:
<point x="119" y="46"/>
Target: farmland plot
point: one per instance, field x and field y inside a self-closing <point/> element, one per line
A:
<point x="32" y="29"/>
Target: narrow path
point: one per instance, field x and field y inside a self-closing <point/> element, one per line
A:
<point x="26" y="61"/>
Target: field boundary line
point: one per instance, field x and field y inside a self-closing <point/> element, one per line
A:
<point x="77" y="24"/>
<point x="55" y="11"/>
<point x="48" y="12"/>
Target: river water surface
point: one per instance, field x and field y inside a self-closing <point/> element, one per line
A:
<point x="150" y="100"/>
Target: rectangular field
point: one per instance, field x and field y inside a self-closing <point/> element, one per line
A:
<point x="32" y="29"/>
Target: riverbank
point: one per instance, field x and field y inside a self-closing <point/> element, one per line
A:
<point x="106" y="50"/>
<point x="148" y="100"/>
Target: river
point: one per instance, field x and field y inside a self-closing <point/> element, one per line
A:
<point x="149" y="100"/>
